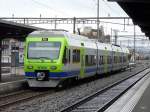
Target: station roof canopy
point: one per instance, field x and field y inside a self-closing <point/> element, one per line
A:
<point x="139" y="11"/>
<point x="15" y="30"/>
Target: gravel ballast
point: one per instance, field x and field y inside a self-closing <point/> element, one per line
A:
<point x="59" y="100"/>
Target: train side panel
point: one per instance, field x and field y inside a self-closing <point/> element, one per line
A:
<point x="90" y="58"/>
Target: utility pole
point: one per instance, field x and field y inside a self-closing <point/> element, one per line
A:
<point x="55" y="26"/>
<point x="98" y="36"/>
<point x="74" y="25"/>
<point x="111" y="40"/>
<point x="116" y="36"/>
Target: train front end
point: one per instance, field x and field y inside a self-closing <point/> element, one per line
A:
<point x="43" y="59"/>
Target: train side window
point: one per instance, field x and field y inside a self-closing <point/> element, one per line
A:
<point x="86" y="60"/>
<point x="69" y="55"/>
<point x="76" y="56"/>
<point x="100" y="60"/>
<point x="114" y="59"/>
<point x="124" y="59"/>
<point x="90" y="60"/>
<point x="93" y="59"/>
<point x="120" y="59"/>
<point x="108" y="60"/>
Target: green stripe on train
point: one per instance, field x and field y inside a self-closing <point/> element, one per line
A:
<point x="82" y="61"/>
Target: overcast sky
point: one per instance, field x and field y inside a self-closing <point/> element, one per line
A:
<point x="65" y="8"/>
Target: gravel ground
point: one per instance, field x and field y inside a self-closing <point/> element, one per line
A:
<point x="58" y="100"/>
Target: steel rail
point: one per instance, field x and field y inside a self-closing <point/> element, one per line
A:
<point x="92" y="96"/>
<point x="13" y="93"/>
<point x="34" y="95"/>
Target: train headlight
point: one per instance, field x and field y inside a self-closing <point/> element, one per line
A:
<point x="53" y="67"/>
<point x="29" y="67"/>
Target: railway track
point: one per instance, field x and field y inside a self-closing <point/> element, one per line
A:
<point x="24" y="95"/>
<point x="20" y="96"/>
<point x="102" y="99"/>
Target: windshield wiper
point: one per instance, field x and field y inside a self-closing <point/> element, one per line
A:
<point x="45" y="58"/>
<point x="40" y="58"/>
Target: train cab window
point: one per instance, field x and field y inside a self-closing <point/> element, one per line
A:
<point x="76" y="56"/>
<point x="44" y="49"/>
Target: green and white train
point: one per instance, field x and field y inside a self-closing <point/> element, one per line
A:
<point x="52" y="57"/>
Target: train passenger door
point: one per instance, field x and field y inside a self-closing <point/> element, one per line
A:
<point x="82" y="61"/>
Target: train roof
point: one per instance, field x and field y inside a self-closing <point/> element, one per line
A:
<point x="103" y="46"/>
<point x="126" y="50"/>
<point x="57" y="33"/>
<point x="47" y="33"/>
<point x="76" y="40"/>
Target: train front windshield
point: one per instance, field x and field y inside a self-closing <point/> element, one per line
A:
<point x="44" y="50"/>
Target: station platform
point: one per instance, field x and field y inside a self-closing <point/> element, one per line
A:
<point x="12" y="80"/>
<point x="144" y="103"/>
<point x="136" y="99"/>
<point x="10" y="74"/>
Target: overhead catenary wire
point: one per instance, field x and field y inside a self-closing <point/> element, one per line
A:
<point x="110" y="7"/>
<point x="47" y="6"/>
